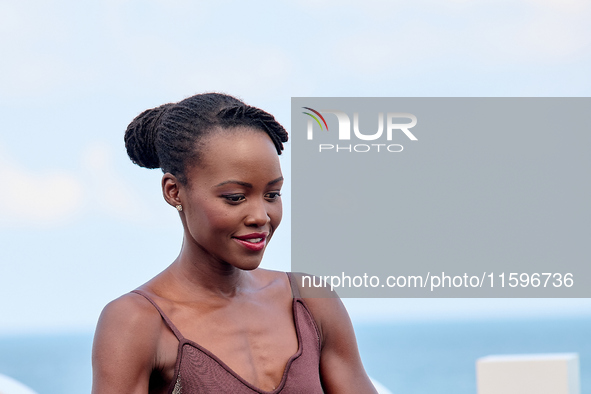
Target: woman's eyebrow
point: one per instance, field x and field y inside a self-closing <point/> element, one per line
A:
<point x="274" y="181"/>
<point x="246" y="184"/>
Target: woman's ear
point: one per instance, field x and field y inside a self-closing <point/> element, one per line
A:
<point x="171" y="189"/>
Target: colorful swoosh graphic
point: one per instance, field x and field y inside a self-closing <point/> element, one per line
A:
<point x="315" y="118"/>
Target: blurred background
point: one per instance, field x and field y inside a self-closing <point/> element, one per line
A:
<point x="80" y="224"/>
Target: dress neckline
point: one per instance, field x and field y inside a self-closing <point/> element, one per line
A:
<point x="185" y="341"/>
<point x="211" y="355"/>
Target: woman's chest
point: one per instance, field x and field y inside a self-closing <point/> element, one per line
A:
<point x="250" y="347"/>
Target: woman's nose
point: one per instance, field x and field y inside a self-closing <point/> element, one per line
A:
<point x="257" y="214"/>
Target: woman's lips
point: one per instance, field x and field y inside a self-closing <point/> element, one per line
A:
<point x="254" y="241"/>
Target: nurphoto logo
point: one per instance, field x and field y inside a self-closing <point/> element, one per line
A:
<point x="344" y="130"/>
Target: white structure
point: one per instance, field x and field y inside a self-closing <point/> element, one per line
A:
<point x="11" y="386"/>
<point x="528" y="374"/>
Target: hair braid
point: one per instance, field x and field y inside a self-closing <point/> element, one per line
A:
<point x="255" y="117"/>
<point x="140" y="137"/>
<point x="168" y="136"/>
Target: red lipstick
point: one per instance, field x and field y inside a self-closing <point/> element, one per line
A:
<point x="254" y="241"/>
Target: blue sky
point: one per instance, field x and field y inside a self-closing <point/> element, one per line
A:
<point x="80" y="225"/>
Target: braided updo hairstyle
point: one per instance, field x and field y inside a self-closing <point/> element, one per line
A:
<point x="168" y="136"/>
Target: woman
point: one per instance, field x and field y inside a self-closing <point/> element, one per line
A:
<point x="213" y="322"/>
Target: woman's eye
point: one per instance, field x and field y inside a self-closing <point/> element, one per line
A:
<point x="234" y="198"/>
<point x="273" y="195"/>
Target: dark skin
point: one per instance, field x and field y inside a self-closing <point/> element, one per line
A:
<point x="214" y="291"/>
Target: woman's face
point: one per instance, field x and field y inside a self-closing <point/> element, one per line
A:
<point x="232" y="202"/>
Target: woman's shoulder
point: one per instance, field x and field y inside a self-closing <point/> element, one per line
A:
<point x="129" y="322"/>
<point x="126" y="343"/>
<point x="131" y="309"/>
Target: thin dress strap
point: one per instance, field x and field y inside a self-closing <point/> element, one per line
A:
<point x="173" y="328"/>
<point x="295" y="290"/>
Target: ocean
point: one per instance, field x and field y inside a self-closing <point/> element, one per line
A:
<point x="408" y="357"/>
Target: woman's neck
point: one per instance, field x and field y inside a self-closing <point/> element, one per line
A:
<point x="202" y="274"/>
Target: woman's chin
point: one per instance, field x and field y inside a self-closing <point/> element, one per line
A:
<point x="249" y="266"/>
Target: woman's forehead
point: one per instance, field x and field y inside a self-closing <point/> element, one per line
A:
<point x="242" y="152"/>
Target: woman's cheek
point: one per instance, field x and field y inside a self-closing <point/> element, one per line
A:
<point x="277" y="214"/>
<point x="218" y="217"/>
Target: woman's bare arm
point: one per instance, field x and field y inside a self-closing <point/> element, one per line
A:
<point x="125" y="346"/>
